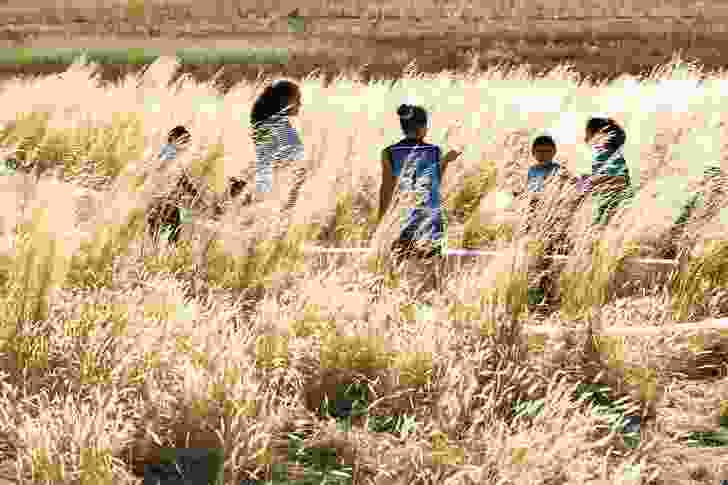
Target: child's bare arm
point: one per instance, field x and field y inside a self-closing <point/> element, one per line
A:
<point x="450" y="156"/>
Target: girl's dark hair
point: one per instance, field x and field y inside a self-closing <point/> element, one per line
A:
<point x="176" y="133"/>
<point x="273" y="100"/>
<point x="543" y="140"/>
<point x="411" y="117"/>
<point x="594" y="125"/>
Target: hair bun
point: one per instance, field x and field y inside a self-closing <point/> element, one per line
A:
<point x="405" y="111"/>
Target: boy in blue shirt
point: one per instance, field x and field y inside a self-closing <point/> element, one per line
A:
<point x="165" y="216"/>
<point x="543" y="151"/>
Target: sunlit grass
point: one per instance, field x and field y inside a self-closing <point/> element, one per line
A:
<point x="112" y="349"/>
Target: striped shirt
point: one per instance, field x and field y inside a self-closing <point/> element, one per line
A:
<point x="168" y="152"/>
<point x="276" y="142"/>
<point x="417" y="167"/>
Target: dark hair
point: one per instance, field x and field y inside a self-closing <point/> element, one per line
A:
<point x="177" y="133"/>
<point x="411" y="117"/>
<point x="273" y="100"/>
<point x="543" y="140"/>
<point x="594" y="125"/>
<point x="236" y="186"/>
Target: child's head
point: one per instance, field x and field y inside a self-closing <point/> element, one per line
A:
<point x="595" y="125"/>
<point x="543" y="149"/>
<point x="280" y="97"/>
<point x="236" y="186"/>
<point x="413" y="120"/>
<point x="178" y="136"/>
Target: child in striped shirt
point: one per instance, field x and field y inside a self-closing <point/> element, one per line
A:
<point x="276" y="141"/>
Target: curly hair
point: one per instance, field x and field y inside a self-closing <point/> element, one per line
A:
<point x="594" y="125"/>
<point x="178" y="133"/>
<point x="273" y="100"/>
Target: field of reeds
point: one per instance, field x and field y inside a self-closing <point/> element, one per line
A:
<point x="349" y="372"/>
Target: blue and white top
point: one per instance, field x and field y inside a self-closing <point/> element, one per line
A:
<point x="276" y="141"/>
<point x="537" y="175"/>
<point x="168" y="152"/>
<point x="418" y="169"/>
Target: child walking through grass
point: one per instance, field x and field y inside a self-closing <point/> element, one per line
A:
<point x="415" y="168"/>
<point x="168" y="213"/>
<point x="165" y="217"/>
<point x="543" y="150"/>
<point x="178" y="140"/>
<point x="610" y="182"/>
<point x="277" y="142"/>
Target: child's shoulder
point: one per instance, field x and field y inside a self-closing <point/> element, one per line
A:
<point x="409" y="144"/>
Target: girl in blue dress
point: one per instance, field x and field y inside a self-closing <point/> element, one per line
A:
<point x="415" y="168"/>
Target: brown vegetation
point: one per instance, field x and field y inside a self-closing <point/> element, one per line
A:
<point x="380" y="40"/>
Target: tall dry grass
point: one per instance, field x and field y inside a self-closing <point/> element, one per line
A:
<point x="112" y="350"/>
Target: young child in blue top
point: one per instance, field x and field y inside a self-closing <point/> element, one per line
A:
<point x="543" y="151"/>
<point x="177" y="139"/>
<point x="416" y="168"/>
<point x="166" y="216"/>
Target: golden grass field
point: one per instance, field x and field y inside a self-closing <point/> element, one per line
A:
<point x="113" y="349"/>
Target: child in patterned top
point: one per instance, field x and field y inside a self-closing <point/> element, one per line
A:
<point x="169" y="213"/>
<point x="275" y="139"/>
<point x="416" y="168"/>
<point x="177" y="140"/>
<point x="165" y="217"/>
<point x="609" y="181"/>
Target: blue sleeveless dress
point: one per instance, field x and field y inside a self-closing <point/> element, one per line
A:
<point x="418" y="170"/>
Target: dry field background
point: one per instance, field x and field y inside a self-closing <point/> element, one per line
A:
<point x="602" y="39"/>
<point x="113" y="349"/>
